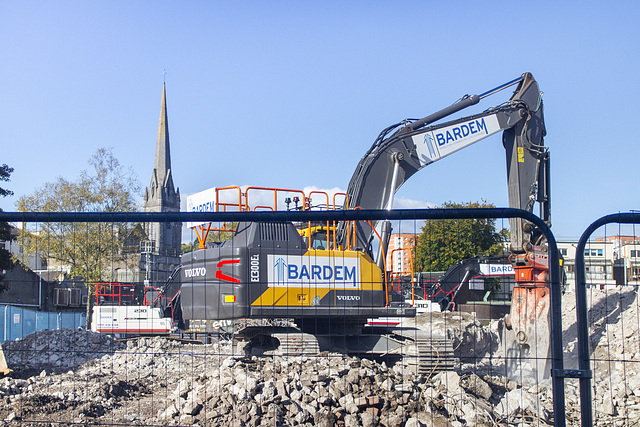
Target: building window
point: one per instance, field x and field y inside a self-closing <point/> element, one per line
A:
<point x="635" y="254"/>
<point x="593" y="252"/>
<point x="563" y="252"/>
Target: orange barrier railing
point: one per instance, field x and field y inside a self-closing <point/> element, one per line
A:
<point x="234" y="199"/>
<point x="402" y="271"/>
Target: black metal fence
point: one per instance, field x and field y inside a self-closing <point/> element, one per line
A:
<point x="607" y="325"/>
<point x="79" y="377"/>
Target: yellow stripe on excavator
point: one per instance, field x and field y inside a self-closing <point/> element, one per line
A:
<point x="290" y="296"/>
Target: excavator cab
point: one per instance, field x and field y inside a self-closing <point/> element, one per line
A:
<point x="318" y="237"/>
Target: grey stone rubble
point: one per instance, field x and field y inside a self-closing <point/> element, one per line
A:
<point x="58" y="350"/>
<point x="614" y="317"/>
<point x="91" y="378"/>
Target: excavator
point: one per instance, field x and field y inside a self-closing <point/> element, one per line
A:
<point x="456" y="285"/>
<point x="268" y="272"/>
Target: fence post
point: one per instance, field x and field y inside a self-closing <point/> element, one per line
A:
<point x="6" y="322"/>
<point x="557" y="359"/>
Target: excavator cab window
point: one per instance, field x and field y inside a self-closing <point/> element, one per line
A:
<point x="319" y="240"/>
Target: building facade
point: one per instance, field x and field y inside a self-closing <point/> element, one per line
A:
<point x="599" y="258"/>
<point x="608" y="261"/>
<point x="400" y="252"/>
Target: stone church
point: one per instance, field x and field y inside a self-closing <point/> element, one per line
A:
<point x="161" y="253"/>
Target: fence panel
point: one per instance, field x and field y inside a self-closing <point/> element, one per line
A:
<point x="608" y="321"/>
<point x="18" y="322"/>
<point x="44" y="321"/>
<point x="326" y="337"/>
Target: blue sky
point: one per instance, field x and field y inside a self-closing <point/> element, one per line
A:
<point x="291" y="94"/>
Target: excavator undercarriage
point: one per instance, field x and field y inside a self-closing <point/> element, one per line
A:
<point x="420" y="351"/>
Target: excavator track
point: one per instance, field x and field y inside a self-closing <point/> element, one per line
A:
<point x="434" y="355"/>
<point x="428" y="353"/>
<point x="421" y="352"/>
<point x="275" y="340"/>
<point x="297" y="344"/>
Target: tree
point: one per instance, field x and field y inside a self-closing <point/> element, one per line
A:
<point x="6" y="261"/>
<point x="213" y="236"/>
<point x="88" y="250"/>
<point x="5" y="174"/>
<point x="446" y="242"/>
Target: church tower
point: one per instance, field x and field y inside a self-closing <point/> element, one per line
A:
<point x="162" y="196"/>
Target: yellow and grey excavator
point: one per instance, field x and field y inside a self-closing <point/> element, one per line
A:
<point x="269" y="271"/>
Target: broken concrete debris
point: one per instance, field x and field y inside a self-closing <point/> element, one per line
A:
<point x="76" y="376"/>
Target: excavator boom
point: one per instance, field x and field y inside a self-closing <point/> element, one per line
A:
<point x="403" y="149"/>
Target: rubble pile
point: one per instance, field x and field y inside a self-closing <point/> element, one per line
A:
<point x="163" y="382"/>
<point x="614" y="320"/>
<point x="57" y="350"/>
<point x="472" y="340"/>
<point x="158" y="381"/>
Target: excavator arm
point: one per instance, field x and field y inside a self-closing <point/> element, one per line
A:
<point x="403" y="149"/>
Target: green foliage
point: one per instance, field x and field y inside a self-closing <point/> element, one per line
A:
<point x="5" y="174"/>
<point x="214" y="236"/>
<point x="6" y="261"/>
<point x="88" y="249"/>
<point x="446" y="242"/>
<point x="189" y="247"/>
<point x="222" y="235"/>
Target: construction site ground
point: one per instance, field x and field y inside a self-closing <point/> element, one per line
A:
<point x="70" y="377"/>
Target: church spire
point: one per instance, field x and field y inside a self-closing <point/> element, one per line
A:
<point x="162" y="196"/>
<point x="163" y="155"/>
